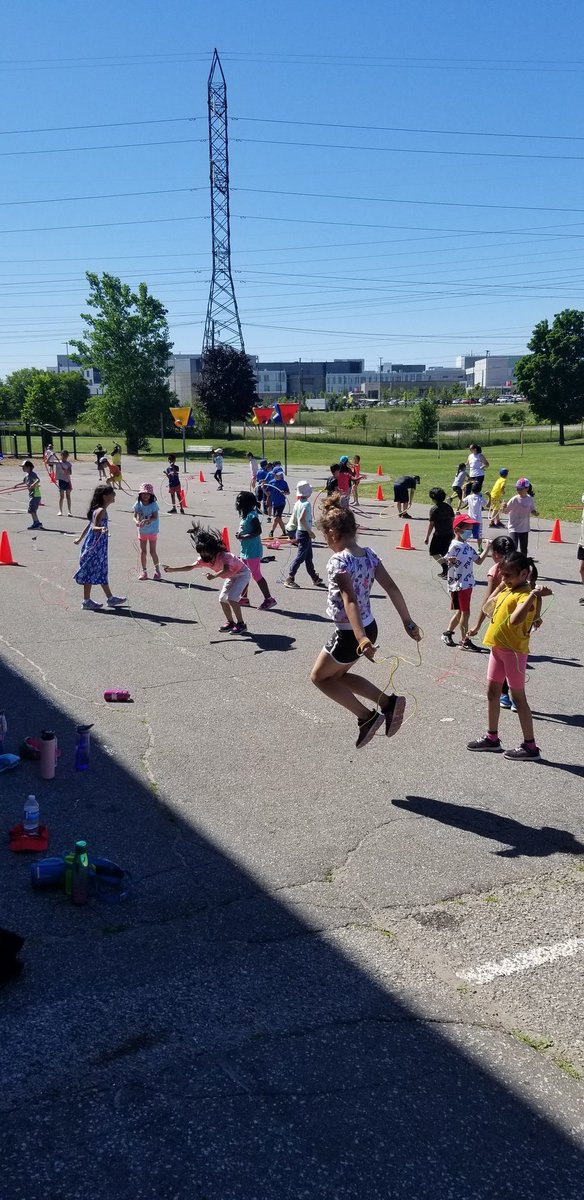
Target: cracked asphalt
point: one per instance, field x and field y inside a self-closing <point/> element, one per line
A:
<point x="340" y="975"/>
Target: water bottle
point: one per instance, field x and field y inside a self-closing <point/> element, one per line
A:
<point x="80" y="874"/>
<point x="82" y="744"/>
<point x="30" y="820"/>
<point x="3" y="729"/>
<point x="48" y="760"/>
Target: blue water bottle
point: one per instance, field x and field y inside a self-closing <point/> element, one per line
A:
<point x="82" y="744"/>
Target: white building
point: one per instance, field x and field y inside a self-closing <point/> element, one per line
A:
<point x="494" y="371"/>
<point x="271" y="384"/>
<point x="90" y="374"/>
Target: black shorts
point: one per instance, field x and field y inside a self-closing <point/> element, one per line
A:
<point x="581" y="553"/>
<point x="401" y="494"/>
<point x="64" y="485"/>
<point x="440" y="543"/>
<point x="342" y="645"/>
<point x="457" y="491"/>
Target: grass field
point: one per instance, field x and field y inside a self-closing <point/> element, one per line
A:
<point x="557" y="473"/>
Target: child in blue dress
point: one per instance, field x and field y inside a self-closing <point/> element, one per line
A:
<point x="93" y="560"/>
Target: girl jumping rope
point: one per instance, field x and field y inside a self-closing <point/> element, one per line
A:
<point x="220" y="564"/>
<point x="93" y="560"/>
<point x="249" y="536"/>
<point x="514" y="609"/>
<point x="351" y="572"/>
<point x="147" y="518"/>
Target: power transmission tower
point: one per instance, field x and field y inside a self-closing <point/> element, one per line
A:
<point x="222" y="324"/>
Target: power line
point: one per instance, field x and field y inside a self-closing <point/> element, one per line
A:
<point x="101" y="196"/>
<point x="103" y="224"/>
<point x="425" y="203"/>
<point x="545" y="137"/>
<point x="109" y="146"/>
<point x="411" y="150"/>
<point x="101" y="125"/>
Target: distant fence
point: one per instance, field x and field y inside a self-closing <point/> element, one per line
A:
<point x="16" y="438"/>
<point x="447" y="439"/>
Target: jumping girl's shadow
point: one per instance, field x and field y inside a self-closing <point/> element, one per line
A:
<point x="146" y="616"/>
<point x="265" y="642"/>
<point x="559" y="662"/>
<point x="574" y="719"/>
<point x="522" y="840"/>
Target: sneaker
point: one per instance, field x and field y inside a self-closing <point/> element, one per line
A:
<point x="318" y="582"/>
<point x="115" y="601"/>
<point x="69" y="514"/>
<point x="447" y="638"/>
<point x="268" y="603"/>
<point x="523" y="751"/>
<point x="505" y="702"/>
<point x="182" y="512"/>
<point x="172" y="510"/>
<point x="92" y="605"/>
<point x="443" y="573"/>
<point x="34" y="526"/>
<point x="239" y="627"/>
<point x="486" y="743"/>
<point x="227" y="627"/>
<point x="368" y="727"/>
<point x="157" y="576"/>
<point x="581" y="600"/>
<point x="513" y="706"/>
<point x="466" y="644"/>
<point x="394" y="714"/>
<point x="144" y="575"/>
<point x="59" y="513"/>
<point x="291" y="583"/>
<point x="244" y="602"/>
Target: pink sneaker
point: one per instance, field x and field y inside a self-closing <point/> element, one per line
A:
<point x="157" y="576"/>
<point x="268" y="603"/>
<point x="143" y="575"/>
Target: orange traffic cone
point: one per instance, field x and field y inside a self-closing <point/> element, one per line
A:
<point x="380" y="470"/>
<point x="182" y="498"/>
<point x="225" y="539"/>
<point x="556" y="533"/>
<point x="201" y="477"/>
<point x="6" y="559"/>
<point x="380" y="495"/>
<point x="405" y="540"/>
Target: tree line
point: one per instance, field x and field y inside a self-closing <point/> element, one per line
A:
<point x="126" y="338"/>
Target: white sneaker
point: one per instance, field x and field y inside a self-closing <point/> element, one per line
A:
<point x="115" y="601"/>
<point x="92" y="604"/>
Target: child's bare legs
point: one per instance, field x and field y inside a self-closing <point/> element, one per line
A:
<point x="264" y="589"/>
<point x="277" y="521"/>
<point x="454" y="621"/>
<point x="143" y="555"/>
<point x="524" y="713"/>
<point x="464" y="616"/>
<point x="493" y="700"/>
<point x="582" y="569"/>
<point x="107" y="589"/>
<point x="68" y="495"/>
<point x="154" y="557"/>
<point x="87" y="590"/>
<point x="340" y="684"/>
<point x="232" y="610"/>
<point x="61" y="494"/>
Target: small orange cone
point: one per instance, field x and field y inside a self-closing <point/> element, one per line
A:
<point x="380" y="495"/>
<point x="556" y="533"/>
<point x="201" y="477"/>
<point x="405" y="540"/>
<point x="6" y="559"/>
<point x="225" y="539"/>
<point x="380" y="470"/>
<point x="182" y="498"/>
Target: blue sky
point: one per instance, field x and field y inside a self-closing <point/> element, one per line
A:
<point x="413" y="242"/>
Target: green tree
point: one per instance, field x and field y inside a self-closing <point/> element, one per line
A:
<point x="552" y="377"/>
<point x="127" y="341"/>
<point x="424" y="423"/>
<point x="227" y="390"/>
<point x="74" y="395"/>
<point x="43" y="403"/>
<point x="14" y="390"/>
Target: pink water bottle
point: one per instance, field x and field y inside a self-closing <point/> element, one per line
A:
<point x="48" y="760"/>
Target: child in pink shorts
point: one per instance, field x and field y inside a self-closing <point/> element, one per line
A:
<point x="249" y="536"/>
<point x="147" y="518"/>
<point x="514" y="610"/>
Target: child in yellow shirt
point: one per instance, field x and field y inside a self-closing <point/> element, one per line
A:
<point x="514" y="609"/>
<point x="497" y="493"/>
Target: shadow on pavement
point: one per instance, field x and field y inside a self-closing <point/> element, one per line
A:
<point x="522" y="840"/>
<point x="205" y="1041"/>
<point x="574" y="719"/>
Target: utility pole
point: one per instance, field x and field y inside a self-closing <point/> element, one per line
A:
<point x="380" y="370"/>
<point x="222" y="311"/>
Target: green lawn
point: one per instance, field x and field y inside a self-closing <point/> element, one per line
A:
<point x="557" y="473"/>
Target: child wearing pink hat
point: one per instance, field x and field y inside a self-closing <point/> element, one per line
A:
<point x="147" y="519"/>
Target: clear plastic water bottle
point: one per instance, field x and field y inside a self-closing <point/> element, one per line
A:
<point x="3" y="728"/>
<point x="80" y="874"/>
<point x="31" y="817"/>
<point x="82" y="746"/>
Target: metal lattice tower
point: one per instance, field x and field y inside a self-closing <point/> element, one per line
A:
<point x="222" y="324"/>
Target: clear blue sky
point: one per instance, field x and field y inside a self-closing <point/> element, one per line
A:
<point x="461" y="249"/>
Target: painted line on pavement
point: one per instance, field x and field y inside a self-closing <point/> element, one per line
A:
<point x="525" y="960"/>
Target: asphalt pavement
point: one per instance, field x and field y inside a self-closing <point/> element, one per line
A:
<point x="341" y="974"/>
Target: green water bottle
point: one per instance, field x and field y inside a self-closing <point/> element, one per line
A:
<point x="80" y="874"/>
